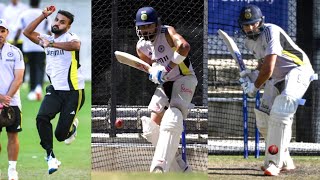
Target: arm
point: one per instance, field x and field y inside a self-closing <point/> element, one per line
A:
<point x="29" y="30"/>
<point x="16" y="83"/>
<point x="177" y="41"/>
<point x="68" y="46"/>
<point x="266" y="70"/>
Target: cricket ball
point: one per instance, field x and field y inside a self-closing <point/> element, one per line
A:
<point x="119" y="123"/>
<point x="51" y="8"/>
<point x="273" y="149"/>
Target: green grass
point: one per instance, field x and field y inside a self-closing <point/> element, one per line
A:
<point x="75" y="158"/>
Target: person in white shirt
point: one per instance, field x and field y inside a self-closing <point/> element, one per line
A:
<point x="166" y="50"/>
<point x="11" y="77"/>
<point x="34" y="53"/>
<point x="285" y="72"/>
<point x="65" y="94"/>
<point x="10" y="14"/>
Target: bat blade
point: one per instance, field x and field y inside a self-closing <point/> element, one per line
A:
<point x="133" y="61"/>
<point x="233" y="49"/>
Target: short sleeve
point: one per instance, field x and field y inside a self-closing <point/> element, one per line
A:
<point x="19" y="61"/>
<point x="272" y="37"/>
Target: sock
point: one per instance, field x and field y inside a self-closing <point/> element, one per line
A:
<point x="12" y="164"/>
<point x="50" y="153"/>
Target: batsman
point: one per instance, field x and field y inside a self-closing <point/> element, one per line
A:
<point x="166" y="50"/>
<point x="285" y="73"/>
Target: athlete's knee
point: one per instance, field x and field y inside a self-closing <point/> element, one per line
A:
<point x="262" y="120"/>
<point x="172" y="120"/>
<point x="150" y="130"/>
<point x="61" y="135"/>
<point x="284" y="107"/>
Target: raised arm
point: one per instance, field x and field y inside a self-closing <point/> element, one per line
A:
<point x="29" y="30"/>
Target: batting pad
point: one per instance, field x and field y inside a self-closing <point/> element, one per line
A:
<point x="151" y="134"/>
<point x="262" y="120"/>
<point x="279" y="129"/>
<point x="170" y="130"/>
<point x="150" y="130"/>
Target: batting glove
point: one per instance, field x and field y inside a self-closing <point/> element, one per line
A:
<point x="251" y="74"/>
<point x="158" y="73"/>
<point x="248" y="87"/>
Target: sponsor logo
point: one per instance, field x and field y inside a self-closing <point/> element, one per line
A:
<point x="249" y="1"/>
<point x="72" y="112"/>
<point x="185" y="89"/>
<point x="55" y="52"/>
<point x="10" y="60"/>
<point x="162" y="60"/>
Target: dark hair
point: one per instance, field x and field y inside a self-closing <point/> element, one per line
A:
<point x="34" y="3"/>
<point x="67" y="14"/>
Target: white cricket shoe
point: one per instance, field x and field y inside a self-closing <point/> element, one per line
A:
<point x="272" y="170"/>
<point x="288" y="165"/>
<point x="38" y="92"/>
<point x="12" y="174"/>
<point x="158" y="169"/>
<point x="32" y="96"/>
<point x="53" y="164"/>
<point x="73" y="136"/>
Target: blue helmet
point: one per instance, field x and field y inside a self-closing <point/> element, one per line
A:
<point x="147" y="16"/>
<point x="251" y="14"/>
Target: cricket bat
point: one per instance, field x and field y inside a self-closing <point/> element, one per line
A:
<point x="233" y="49"/>
<point x="133" y="61"/>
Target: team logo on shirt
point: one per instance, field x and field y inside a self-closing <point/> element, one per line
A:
<point x="161" y="48"/>
<point x="10" y="54"/>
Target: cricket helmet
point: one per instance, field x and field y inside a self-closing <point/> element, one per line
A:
<point x="147" y="16"/>
<point x="251" y="14"/>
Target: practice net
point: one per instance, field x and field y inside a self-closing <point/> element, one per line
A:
<point x="119" y="91"/>
<point x="225" y="122"/>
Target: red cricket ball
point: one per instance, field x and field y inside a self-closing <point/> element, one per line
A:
<point x="51" y="8"/>
<point x="273" y="149"/>
<point x="119" y="123"/>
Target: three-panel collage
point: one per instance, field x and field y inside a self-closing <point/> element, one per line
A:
<point x="159" y="89"/>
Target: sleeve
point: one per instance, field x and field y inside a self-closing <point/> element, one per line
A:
<point x="142" y="48"/>
<point x="19" y="61"/>
<point x="272" y="40"/>
<point x="73" y="37"/>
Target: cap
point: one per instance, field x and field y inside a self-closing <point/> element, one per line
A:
<point x="250" y="14"/>
<point x="146" y="15"/>
<point x="3" y="23"/>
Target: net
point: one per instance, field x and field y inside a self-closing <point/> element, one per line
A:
<point x="123" y="92"/>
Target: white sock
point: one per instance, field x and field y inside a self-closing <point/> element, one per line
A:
<point x="12" y="164"/>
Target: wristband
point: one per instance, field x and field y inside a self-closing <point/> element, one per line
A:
<point x="44" y="15"/>
<point x="177" y="58"/>
<point x="51" y="43"/>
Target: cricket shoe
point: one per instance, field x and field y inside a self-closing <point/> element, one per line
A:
<point x="32" y="96"/>
<point x="12" y="174"/>
<point x="288" y="165"/>
<point x="70" y="139"/>
<point x="158" y="169"/>
<point x="38" y="92"/>
<point x="53" y="164"/>
<point x="272" y="170"/>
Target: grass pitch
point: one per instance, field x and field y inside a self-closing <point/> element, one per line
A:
<point x="236" y="167"/>
<point x="75" y="158"/>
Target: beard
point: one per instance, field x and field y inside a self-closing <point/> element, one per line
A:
<point x="56" y="30"/>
